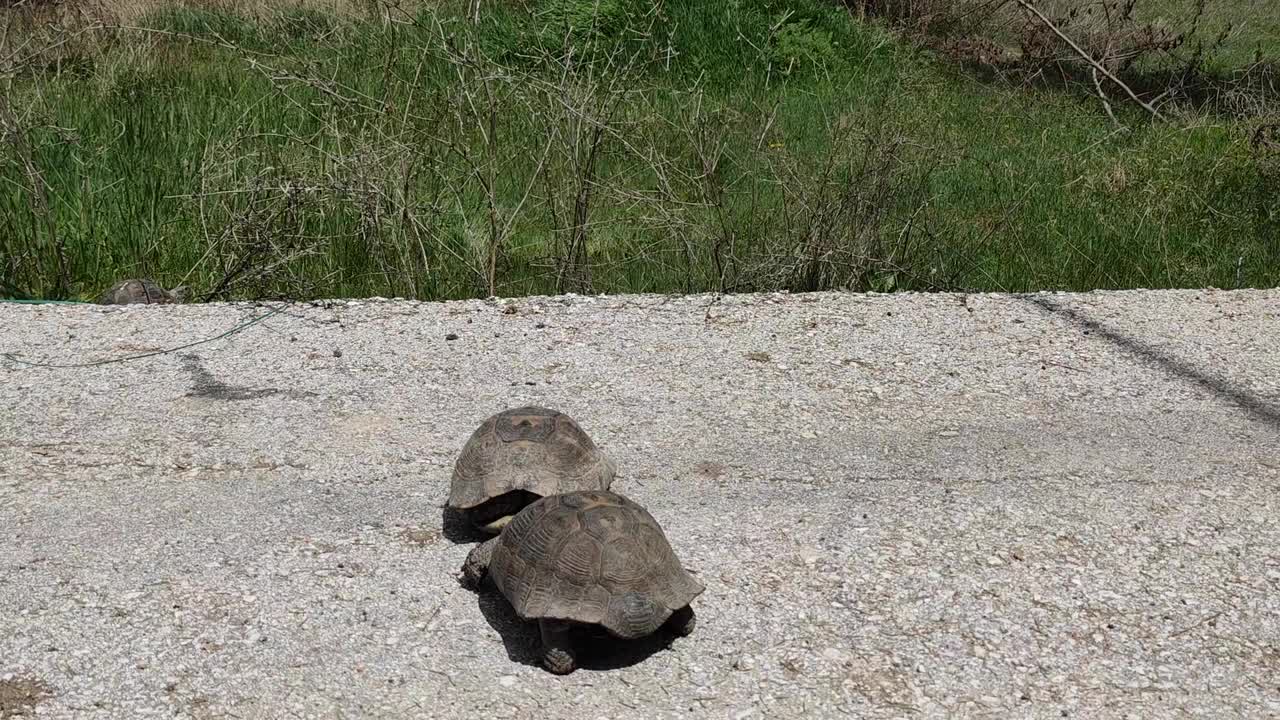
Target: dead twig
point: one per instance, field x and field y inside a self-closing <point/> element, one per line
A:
<point x="1097" y="66"/>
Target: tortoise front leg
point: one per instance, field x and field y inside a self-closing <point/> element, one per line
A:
<point x="477" y="563"/>
<point x="681" y="621"/>
<point x="557" y="652"/>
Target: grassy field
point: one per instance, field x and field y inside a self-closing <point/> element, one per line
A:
<point x="1254" y="25"/>
<point x="338" y="150"/>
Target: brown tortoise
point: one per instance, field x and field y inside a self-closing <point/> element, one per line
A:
<point x="128" y="292"/>
<point x="591" y="558"/>
<point x="518" y="456"/>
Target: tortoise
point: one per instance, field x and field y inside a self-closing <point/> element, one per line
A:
<point x="140" y="291"/>
<point x="587" y="559"/>
<point x="519" y="455"/>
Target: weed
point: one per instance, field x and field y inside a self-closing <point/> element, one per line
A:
<point x="654" y="147"/>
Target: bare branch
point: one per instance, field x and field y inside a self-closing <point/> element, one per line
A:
<point x="1097" y="66"/>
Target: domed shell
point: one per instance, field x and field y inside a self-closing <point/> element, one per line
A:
<point x="528" y="448"/>
<point x="591" y="557"/>
<point x="128" y="292"/>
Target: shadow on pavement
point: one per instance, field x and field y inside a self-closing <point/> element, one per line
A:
<point x="596" y="649"/>
<point x="1259" y="408"/>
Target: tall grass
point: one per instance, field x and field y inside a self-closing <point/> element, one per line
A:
<point x="576" y="145"/>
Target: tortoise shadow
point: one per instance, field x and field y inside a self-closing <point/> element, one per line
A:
<point x="595" y="650"/>
<point x="456" y="529"/>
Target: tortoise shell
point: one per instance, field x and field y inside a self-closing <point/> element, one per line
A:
<point x="521" y="454"/>
<point x="591" y="557"/>
<point x="142" y="291"/>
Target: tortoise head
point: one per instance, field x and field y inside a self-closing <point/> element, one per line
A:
<point x="495" y="527"/>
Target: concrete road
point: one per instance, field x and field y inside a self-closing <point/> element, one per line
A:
<point x="982" y="506"/>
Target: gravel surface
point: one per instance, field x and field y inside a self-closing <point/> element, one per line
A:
<point x="1038" y="506"/>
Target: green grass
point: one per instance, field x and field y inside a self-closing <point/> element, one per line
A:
<point x="1254" y="25"/>
<point x="753" y="145"/>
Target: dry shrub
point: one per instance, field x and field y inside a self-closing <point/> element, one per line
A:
<point x="405" y="181"/>
<point x="732" y="206"/>
<point x="80" y="13"/>
<point x="1250" y="92"/>
<point x="39" y="32"/>
<point x="257" y="239"/>
<point x="849" y="222"/>
<point x="938" y="18"/>
<point x="1265" y="145"/>
<point x="1027" y="41"/>
<point x="1106" y="30"/>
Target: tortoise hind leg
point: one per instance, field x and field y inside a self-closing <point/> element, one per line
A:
<point x="477" y="563"/>
<point x="557" y="653"/>
<point x="681" y="621"/>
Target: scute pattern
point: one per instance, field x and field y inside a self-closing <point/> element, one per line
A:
<point x="591" y="557"/>
<point x="523" y="522"/>
<point x="580" y="560"/>
<point x="528" y="448"/>
<point x="531" y="424"/>
<point x="602" y="521"/>
<point x="545" y="538"/>
<point x="634" y="612"/>
<point x="624" y="564"/>
<point x="139" y="291"/>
